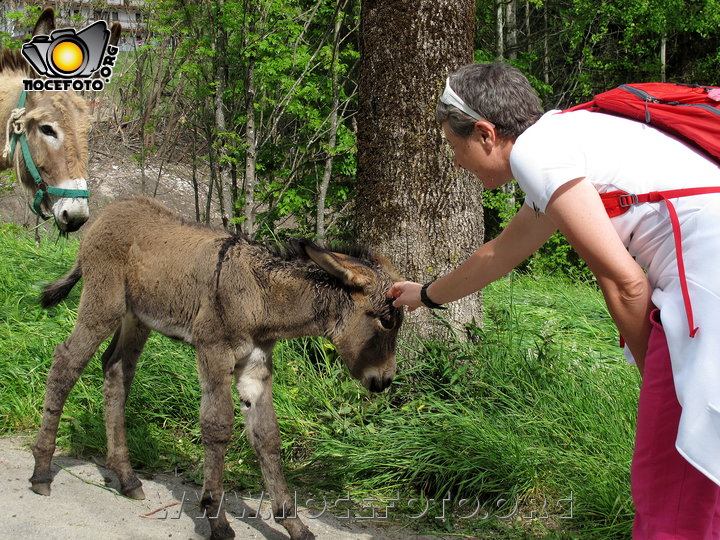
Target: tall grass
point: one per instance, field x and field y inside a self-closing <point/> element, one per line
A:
<point x="536" y="410"/>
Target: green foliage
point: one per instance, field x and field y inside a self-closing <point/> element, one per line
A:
<point x="8" y="181"/>
<point x="273" y="60"/>
<point x="499" y="207"/>
<point x="22" y="18"/>
<point x="573" y="49"/>
<point x="7" y="42"/>
<point x="555" y="257"/>
<point x="538" y="406"/>
<point x="558" y="257"/>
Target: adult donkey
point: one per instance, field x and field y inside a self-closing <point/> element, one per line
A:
<point x="144" y="268"/>
<point x="46" y="137"/>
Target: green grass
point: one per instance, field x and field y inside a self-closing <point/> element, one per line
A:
<point x="538" y="407"/>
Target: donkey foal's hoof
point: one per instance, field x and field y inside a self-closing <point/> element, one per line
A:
<point x="41" y="488"/>
<point x="135" y="493"/>
<point x="298" y="530"/>
<point x="223" y="532"/>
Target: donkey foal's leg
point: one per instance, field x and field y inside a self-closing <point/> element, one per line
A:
<point x="119" y="363"/>
<point x="255" y="389"/>
<point x="71" y="357"/>
<point x="215" y="366"/>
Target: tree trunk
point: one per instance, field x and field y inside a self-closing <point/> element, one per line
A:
<point x="546" y="46"/>
<point x="220" y="124"/>
<point x="209" y="134"/>
<point x="663" y="57"/>
<point x="528" y="32"/>
<point x="249" y="180"/>
<point x="332" y="137"/>
<point x="499" y="28"/>
<point x="213" y="177"/>
<point x="412" y="204"/>
<point x="511" y="23"/>
<point x="196" y="188"/>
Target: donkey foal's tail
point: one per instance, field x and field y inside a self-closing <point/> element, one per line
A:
<point x="56" y="292"/>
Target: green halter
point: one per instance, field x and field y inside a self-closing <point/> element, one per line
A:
<point x="18" y="136"/>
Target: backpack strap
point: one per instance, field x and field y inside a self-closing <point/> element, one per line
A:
<point x="618" y="202"/>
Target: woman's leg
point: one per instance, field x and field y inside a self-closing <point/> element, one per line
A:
<point x="673" y="500"/>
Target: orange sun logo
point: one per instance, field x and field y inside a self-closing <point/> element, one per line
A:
<point x="67" y="56"/>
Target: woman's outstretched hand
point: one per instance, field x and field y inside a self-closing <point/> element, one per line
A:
<point x="406" y="293"/>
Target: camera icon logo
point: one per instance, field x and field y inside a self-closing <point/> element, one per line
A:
<point x="66" y="53"/>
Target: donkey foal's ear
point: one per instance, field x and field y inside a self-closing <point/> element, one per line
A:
<point x="351" y="272"/>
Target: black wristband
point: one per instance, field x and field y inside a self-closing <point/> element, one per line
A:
<point x="426" y="299"/>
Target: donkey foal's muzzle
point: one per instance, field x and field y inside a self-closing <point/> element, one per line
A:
<point x="378" y="385"/>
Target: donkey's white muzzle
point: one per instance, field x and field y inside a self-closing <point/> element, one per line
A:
<point x="71" y="212"/>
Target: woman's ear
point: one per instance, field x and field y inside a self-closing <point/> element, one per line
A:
<point x="485" y="131"/>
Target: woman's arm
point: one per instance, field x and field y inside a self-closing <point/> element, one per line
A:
<point x="578" y="212"/>
<point x="575" y="209"/>
<point x="525" y="233"/>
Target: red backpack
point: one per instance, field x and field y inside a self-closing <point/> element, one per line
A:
<point x="688" y="111"/>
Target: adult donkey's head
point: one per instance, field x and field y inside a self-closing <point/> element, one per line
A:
<point x="46" y="138"/>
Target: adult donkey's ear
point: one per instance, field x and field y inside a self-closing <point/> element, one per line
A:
<point x="349" y="271"/>
<point x="115" y="31"/>
<point x="45" y="23"/>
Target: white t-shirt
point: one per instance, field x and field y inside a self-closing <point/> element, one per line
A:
<point x="613" y="154"/>
<point x="619" y="154"/>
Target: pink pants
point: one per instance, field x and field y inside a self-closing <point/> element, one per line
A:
<point x="673" y="500"/>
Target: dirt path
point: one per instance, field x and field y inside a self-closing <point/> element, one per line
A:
<point x="82" y="507"/>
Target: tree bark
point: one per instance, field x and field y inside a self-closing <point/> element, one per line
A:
<point x="528" y="32"/>
<point x="546" y="46"/>
<point x="511" y="23"/>
<point x="334" y="122"/>
<point x="663" y="58"/>
<point x="250" y="179"/>
<point x="499" y="28"/>
<point x="221" y="75"/>
<point x="196" y="188"/>
<point x="413" y="205"/>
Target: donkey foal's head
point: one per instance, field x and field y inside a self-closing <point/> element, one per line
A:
<point x="365" y="330"/>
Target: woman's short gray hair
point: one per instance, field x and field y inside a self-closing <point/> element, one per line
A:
<point x="499" y="93"/>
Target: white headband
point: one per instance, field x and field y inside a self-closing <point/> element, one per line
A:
<point x="449" y="97"/>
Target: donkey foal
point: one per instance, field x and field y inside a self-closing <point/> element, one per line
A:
<point x="144" y="268"/>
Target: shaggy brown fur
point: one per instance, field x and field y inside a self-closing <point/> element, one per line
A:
<point x="144" y="269"/>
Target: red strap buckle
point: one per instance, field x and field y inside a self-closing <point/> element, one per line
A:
<point x="626" y="200"/>
<point x="618" y="202"/>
